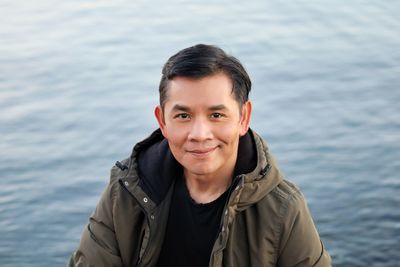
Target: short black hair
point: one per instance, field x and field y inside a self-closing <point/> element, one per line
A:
<point x="203" y="60"/>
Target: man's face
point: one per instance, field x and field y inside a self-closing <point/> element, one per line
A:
<point x="202" y="122"/>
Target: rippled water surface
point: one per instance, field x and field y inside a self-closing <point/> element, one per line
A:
<point x="78" y="83"/>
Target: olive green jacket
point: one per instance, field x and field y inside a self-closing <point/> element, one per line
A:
<point x="266" y="221"/>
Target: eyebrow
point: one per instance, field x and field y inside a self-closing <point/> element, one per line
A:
<point x="179" y="107"/>
<point x="218" y="107"/>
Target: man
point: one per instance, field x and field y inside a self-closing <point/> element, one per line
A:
<point x="203" y="190"/>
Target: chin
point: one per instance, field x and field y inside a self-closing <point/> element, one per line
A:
<point x="200" y="170"/>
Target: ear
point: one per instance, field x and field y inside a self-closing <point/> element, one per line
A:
<point x="245" y="119"/>
<point x="158" y="113"/>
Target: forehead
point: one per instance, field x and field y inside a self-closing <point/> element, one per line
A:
<point x="209" y="90"/>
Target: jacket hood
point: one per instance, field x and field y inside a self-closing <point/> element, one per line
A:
<point x="256" y="173"/>
<point x="256" y="184"/>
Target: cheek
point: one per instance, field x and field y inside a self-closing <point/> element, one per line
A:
<point x="176" y="137"/>
<point x="229" y="133"/>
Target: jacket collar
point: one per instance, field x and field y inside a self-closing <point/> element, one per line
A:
<point x="255" y="171"/>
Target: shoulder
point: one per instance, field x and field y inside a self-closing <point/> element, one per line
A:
<point x="290" y="198"/>
<point x="283" y="202"/>
<point x="287" y="193"/>
<point x="291" y="212"/>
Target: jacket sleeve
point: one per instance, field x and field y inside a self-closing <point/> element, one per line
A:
<point x="98" y="245"/>
<point x="300" y="242"/>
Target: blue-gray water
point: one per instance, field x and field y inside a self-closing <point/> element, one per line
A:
<point x="78" y="83"/>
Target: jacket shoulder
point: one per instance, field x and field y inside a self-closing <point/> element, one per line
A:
<point x="290" y="201"/>
<point x="283" y="201"/>
<point x="297" y="237"/>
<point x="287" y="191"/>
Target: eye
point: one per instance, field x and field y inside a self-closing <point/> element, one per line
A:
<point x="216" y="115"/>
<point x="182" y="116"/>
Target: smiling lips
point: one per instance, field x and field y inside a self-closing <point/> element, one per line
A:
<point x="201" y="153"/>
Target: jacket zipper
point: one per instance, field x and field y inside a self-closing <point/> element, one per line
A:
<point x="231" y="189"/>
<point x="147" y="220"/>
<point x="147" y="245"/>
<point x="235" y="182"/>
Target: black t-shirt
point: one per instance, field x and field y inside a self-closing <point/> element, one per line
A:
<point x="192" y="229"/>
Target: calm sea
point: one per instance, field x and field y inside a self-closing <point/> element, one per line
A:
<point x="78" y="83"/>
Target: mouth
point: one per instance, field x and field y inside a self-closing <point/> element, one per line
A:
<point x="201" y="153"/>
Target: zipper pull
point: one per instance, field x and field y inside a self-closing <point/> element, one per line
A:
<point x="264" y="171"/>
<point x="123" y="167"/>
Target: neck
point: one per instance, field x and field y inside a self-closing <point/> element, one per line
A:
<point x="205" y="189"/>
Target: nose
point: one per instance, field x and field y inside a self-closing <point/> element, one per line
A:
<point x="200" y="130"/>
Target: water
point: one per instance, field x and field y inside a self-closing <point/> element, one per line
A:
<point x="78" y="83"/>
